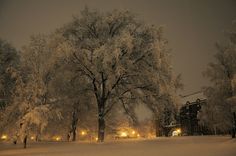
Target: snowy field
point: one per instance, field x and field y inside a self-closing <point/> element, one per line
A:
<point x="175" y="146"/>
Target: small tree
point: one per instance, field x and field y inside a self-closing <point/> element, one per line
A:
<point x="32" y="105"/>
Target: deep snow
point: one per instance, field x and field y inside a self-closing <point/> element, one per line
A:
<point x="174" y="146"/>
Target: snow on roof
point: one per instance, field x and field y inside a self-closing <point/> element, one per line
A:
<point x="192" y="97"/>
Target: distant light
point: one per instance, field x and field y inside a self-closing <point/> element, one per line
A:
<point x="4" y="137"/>
<point x="138" y="135"/>
<point x="123" y="134"/>
<point x="83" y="133"/>
<point x="58" y="138"/>
<point x="178" y="130"/>
<point x="133" y="132"/>
<point x="96" y="138"/>
<point x="32" y="138"/>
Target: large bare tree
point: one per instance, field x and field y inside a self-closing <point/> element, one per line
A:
<point x="118" y="56"/>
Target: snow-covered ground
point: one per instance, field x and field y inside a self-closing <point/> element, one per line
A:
<point x="175" y="146"/>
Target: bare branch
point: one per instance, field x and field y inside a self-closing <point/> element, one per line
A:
<point x="87" y="70"/>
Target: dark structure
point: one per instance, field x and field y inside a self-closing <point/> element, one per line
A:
<point x="189" y="118"/>
<point x="2" y="103"/>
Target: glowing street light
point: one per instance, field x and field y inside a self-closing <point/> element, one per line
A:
<point x="58" y="138"/>
<point x="133" y="132"/>
<point x="83" y="133"/>
<point x="4" y="137"/>
<point x="178" y="130"/>
<point x="123" y="134"/>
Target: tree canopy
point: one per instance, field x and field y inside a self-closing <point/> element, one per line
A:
<point x="88" y="71"/>
<point x="9" y="57"/>
<point x="121" y="59"/>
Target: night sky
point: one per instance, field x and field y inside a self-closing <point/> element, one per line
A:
<point x="192" y="26"/>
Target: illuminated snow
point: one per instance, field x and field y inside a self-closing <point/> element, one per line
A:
<point x="174" y="146"/>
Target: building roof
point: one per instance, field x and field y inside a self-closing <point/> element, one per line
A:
<point x="192" y="97"/>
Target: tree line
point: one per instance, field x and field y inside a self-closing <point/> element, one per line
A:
<point x="98" y="68"/>
<point x="219" y="112"/>
<point x="84" y="73"/>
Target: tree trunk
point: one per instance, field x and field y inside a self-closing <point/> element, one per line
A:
<point x="234" y="125"/>
<point x="74" y="122"/>
<point x="25" y="141"/>
<point x="101" y="100"/>
<point x="157" y="126"/>
<point x="233" y="132"/>
<point x="74" y="134"/>
<point x="101" y="129"/>
<point x="37" y="138"/>
<point x="73" y="131"/>
<point x="68" y="137"/>
<point x="15" y="138"/>
<point x="215" y="132"/>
